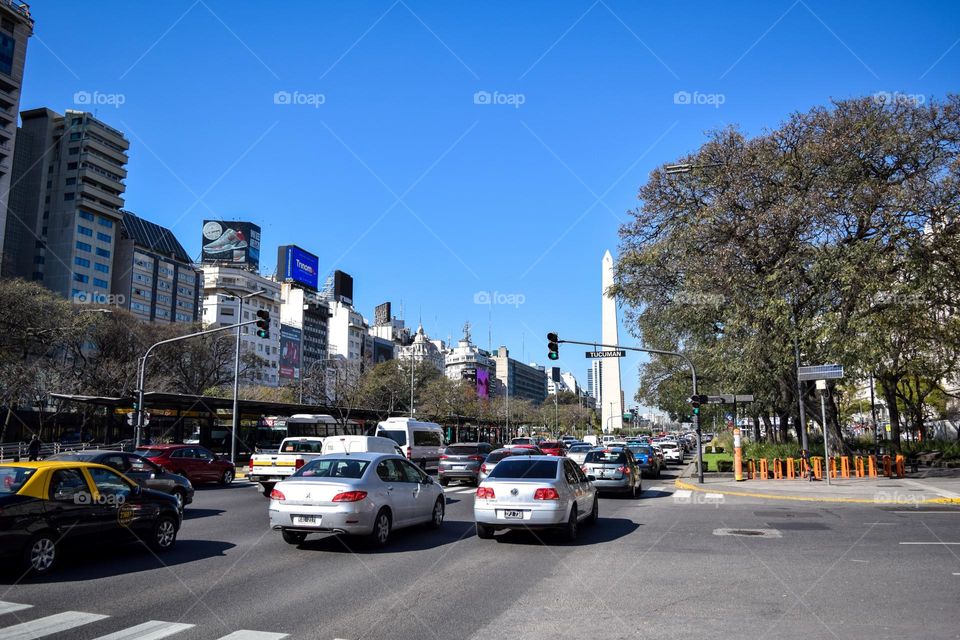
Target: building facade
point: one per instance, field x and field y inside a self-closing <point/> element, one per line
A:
<point x="519" y="380"/>
<point x="16" y="27"/>
<point x="221" y="285"/>
<point x="303" y="309"/>
<point x="422" y="349"/>
<point x="153" y="277"/>
<point x="69" y="171"/>
<point x="347" y="331"/>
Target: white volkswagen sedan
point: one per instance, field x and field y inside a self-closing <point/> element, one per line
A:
<point x="367" y="494"/>
<point x="534" y="492"/>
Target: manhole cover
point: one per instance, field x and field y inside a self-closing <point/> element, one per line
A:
<point x="749" y="533"/>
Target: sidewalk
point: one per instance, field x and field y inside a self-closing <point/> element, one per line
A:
<point x="899" y="491"/>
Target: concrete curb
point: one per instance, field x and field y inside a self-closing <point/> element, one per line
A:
<point x="680" y="484"/>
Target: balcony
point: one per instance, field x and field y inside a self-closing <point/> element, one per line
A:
<point x="105" y="197"/>
<point x="102" y="164"/>
<point x="117" y="156"/>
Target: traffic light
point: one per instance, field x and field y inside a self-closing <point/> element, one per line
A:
<point x="263" y="323"/>
<point x="553" y="344"/>
<point x="695" y="402"/>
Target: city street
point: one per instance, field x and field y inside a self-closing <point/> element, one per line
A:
<point x="651" y="568"/>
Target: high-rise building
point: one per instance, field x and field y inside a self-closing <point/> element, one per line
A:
<point x="422" y="350"/>
<point x="153" y="275"/>
<point x="347" y="331"/>
<point x="16" y="27"/>
<point x="65" y="211"/>
<point x="301" y="309"/>
<point x="520" y="380"/>
<point x="467" y="361"/>
<point x="221" y="286"/>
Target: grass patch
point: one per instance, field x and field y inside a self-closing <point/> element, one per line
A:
<point x="710" y="459"/>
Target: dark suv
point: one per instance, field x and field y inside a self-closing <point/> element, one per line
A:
<point x="462" y="461"/>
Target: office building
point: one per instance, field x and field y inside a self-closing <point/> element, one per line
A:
<point x="422" y="349"/>
<point x="16" y="27"/>
<point x="302" y="309"/>
<point x="520" y="380"/>
<point x="66" y="207"/>
<point x="153" y="277"/>
<point x="466" y="361"/>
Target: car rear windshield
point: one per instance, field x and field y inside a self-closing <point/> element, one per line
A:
<point x="606" y="457"/>
<point x="400" y="437"/>
<point x="668" y="445"/>
<point x="72" y="456"/>
<point x="519" y="468"/>
<point x="302" y="447"/>
<point x="333" y="468"/>
<point x="547" y="444"/>
<point x="462" y="450"/>
<point x="12" y="479"/>
<point x="580" y="448"/>
<point x="522" y="441"/>
<point x="150" y="453"/>
<point x="497" y="456"/>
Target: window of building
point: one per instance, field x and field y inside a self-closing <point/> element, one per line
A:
<point x="100" y="283"/>
<point x="79" y="277"/>
<point x="7" y="48"/>
<point x="82" y="262"/>
<point x="84" y="231"/>
<point x="77" y="121"/>
<point x="227" y="311"/>
<point x="103" y="253"/>
<point x="105" y="222"/>
<point x="69" y="196"/>
<point x="102" y="268"/>
<point x="86" y="215"/>
<point x="103" y="237"/>
<point x="83" y="246"/>
<point x="75" y="136"/>
<point x="71" y="166"/>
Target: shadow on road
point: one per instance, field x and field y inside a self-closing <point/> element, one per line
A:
<point x="78" y="563"/>
<point x="606" y="530"/>
<point x="192" y="514"/>
<point x="416" y="538"/>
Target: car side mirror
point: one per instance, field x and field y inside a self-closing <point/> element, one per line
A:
<point x="429" y="480"/>
<point x="591" y="478"/>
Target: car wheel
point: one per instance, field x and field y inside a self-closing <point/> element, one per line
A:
<point x="595" y="511"/>
<point x="570" y="530"/>
<point x="436" y="521"/>
<point x="444" y="482"/>
<point x="484" y="532"/>
<point x="381" y="529"/>
<point x="227" y="477"/>
<point x="41" y="554"/>
<point x="293" y="537"/>
<point x="164" y="533"/>
<point x="180" y="498"/>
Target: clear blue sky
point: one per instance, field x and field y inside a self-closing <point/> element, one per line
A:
<point x="400" y="179"/>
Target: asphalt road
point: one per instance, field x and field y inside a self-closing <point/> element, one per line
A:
<point x="651" y="568"/>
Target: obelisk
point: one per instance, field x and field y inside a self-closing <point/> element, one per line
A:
<point x="611" y="409"/>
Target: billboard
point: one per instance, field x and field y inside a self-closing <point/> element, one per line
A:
<point x="343" y="286"/>
<point x="382" y="350"/>
<point x="290" y="352"/>
<point x="483" y="383"/>
<point x="299" y="266"/>
<point x="231" y="242"/>
<point x="381" y="314"/>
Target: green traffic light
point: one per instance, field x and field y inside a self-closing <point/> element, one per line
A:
<point x="553" y="355"/>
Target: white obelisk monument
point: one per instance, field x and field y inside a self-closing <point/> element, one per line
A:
<point x="611" y="407"/>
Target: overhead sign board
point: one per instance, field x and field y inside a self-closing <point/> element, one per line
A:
<point x="298" y="266"/>
<point x="820" y="372"/>
<point x="606" y="354"/>
<point x="729" y="399"/>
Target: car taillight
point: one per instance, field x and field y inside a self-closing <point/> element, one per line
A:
<point x="299" y="463"/>
<point x="277" y="495"/>
<point x="624" y="469"/>
<point x="583" y="468"/>
<point x="409" y="453"/>
<point x="251" y="464"/>
<point x="486" y="493"/>
<point x="546" y="494"/>
<point x="476" y="458"/>
<point x="483" y="468"/>
<point x="350" y="496"/>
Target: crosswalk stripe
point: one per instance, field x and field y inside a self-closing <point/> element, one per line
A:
<point x="151" y="630"/>
<point x="246" y="634"/>
<point x="49" y="625"/>
<point x="682" y="493"/>
<point x="656" y="488"/>
<point x="10" y="607"/>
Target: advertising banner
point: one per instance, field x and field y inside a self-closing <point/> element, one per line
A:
<point x="299" y="266"/>
<point x="483" y="383"/>
<point x="235" y="243"/>
<point x="290" y="352"/>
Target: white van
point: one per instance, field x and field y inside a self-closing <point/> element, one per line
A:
<point x="421" y="442"/>
<point x="358" y="444"/>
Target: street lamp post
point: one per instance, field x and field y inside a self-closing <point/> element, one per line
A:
<point x="236" y="374"/>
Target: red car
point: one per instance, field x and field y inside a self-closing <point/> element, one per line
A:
<point x="528" y="449"/>
<point x="197" y="463"/>
<point x="553" y="448"/>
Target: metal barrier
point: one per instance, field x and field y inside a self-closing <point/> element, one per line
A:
<point x="887" y="467"/>
<point x="817" y="467"/>
<point x="901" y="466"/>
<point x="844" y="467"/>
<point x="764" y="472"/>
<point x="751" y="469"/>
<point x="16" y="451"/>
<point x="777" y="469"/>
<point x="872" y="466"/>
<point x="791" y="469"/>
<point x="859" y="468"/>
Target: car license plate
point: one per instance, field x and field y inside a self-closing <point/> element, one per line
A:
<point x="459" y="467"/>
<point x="513" y="515"/>
<point x="306" y="519"/>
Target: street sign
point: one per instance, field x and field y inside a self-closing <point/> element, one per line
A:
<point x="820" y="372"/>
<point x="729" y="399"/>
<point x="606" y="354"/>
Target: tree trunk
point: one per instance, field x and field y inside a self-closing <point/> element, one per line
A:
<point x="756" y="428"/>
<point x="784" y="420"/>
<point x="888" y="387"/>
<point x="768" y="426"/>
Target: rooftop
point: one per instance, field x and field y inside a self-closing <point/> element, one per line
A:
<point x="153" y="237"/>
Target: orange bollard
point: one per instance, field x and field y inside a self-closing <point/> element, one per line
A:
<point x="764" y="473"/>
<point x="859" y="467"/>
<point x="751" y="470"/>
<point x="887" y="467"/>
<point x="844" y="466"/>
<point x="833" y="467"/>
<point x="791" y="470"/>
<point x="817" y="467"/>
<point x="872" y="466"/>
<point x="901" y="466"/>
<point x="777" y="471"/>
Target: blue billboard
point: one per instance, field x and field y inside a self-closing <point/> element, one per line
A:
<point x="296" y="265"/>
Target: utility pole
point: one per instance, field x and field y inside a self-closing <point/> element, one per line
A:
<point x="236" y="374"/>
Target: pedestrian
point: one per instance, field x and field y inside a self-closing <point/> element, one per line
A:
<point x="34" y="448"/>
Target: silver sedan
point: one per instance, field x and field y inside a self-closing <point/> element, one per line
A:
<point x="367" y="494"/>
<point x="532" y="492"/>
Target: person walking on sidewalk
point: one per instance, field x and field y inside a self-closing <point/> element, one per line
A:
<point x="34" y="448"/>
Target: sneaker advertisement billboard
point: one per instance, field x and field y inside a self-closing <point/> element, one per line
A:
<point x="231" y="242"/>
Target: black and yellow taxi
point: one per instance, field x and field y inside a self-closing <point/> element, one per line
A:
<point x="45" y="506"/>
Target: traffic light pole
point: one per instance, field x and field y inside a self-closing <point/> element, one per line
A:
<point x="693" y="373"/>
<point x="142" y="373"/>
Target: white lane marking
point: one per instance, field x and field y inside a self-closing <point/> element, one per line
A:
<point x="943" y="493"/>
<point x="656" y="489"/>
<point x="880" y="523"/>
<point x="713" y="496"/>
<point x="682" y="493"/>
<point x="863" y="561"/>
<point x="10" y="607"/>
<point x="956" y="574"/>
<point x="925" y="513"/>
<point x="958" y="543"/>
<point x="246" y="634"/>
<point x="150" y="630"/>
<point x="49" y="625"/>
